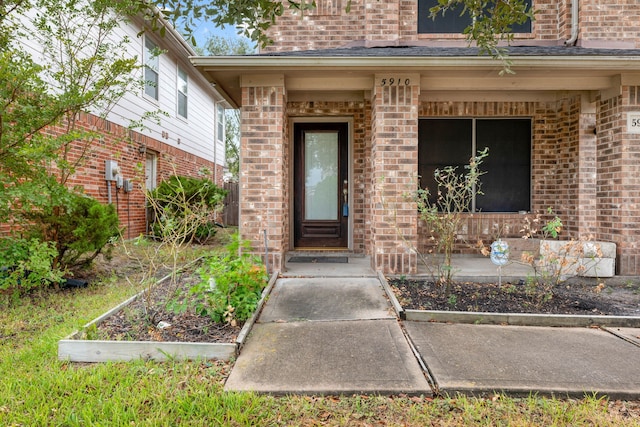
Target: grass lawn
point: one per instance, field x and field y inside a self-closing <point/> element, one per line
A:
<point x="38" y="390"/>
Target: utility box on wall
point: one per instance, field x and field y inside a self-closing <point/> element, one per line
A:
<point x="110" y="170"/>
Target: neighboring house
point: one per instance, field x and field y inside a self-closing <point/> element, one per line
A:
<point x="187" y="139"/>
<point x="353" y="107"/>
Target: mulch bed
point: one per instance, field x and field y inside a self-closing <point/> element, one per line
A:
<point x="139" y="321"/>
<point x="574" y="298"/>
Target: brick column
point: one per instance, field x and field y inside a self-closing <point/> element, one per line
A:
<point x="618" y="156"/>
<point x="394" y="173"/>
<point x="263" y="179"/>
<point x="587" y="169"/>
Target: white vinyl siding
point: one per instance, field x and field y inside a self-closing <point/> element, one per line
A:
<point x="196" y="140"/>
<point x="135" y="104"/>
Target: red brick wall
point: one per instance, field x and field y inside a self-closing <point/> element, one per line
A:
<point x="610" y="23"/>
<point x="121" y="144"/>
<point x="327" y="26"/>
<point x="264" y="183"/>
<point x="603" y="23"/>
<point x="381" y="21"/>
<point x="371" y="22"/>
<point x="394" y="166"/>
<point x="618" y="156"/>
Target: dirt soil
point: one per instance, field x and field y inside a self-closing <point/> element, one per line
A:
<point x="141" y="320"/>
<point x="573" y="297"/>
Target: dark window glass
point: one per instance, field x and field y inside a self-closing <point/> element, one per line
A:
<point x="450" y="142"/>
<point x="443" y="142"/>
<point x="506" y="183"/>
<point x="452" y="22"/>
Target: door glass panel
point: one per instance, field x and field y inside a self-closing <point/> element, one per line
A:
<point x="321" y="175"/>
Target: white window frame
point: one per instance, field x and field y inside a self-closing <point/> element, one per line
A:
<point x="182" y="83"/>
<point x="151" y="170"/>
<point x="220" y="123"/>
<point x="151" y="57"/>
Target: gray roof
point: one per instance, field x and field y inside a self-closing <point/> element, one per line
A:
<point x="426" y="51"/>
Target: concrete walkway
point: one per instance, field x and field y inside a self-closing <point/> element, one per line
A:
<point x="339" y="335"/>
<point x="327" y="336"/>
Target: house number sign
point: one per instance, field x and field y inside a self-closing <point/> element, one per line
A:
<point x="394" y="81"/>
<point x="633" y="122"/>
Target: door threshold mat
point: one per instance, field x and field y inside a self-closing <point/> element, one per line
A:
<point x="320" y="259"/>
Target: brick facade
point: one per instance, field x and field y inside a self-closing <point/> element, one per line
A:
<point x="618" y="156"/>
<point x="394" y="165"/>
<point x="264" y="184"/>
<point x="122" y="145"/>
<point x="584" y="164"/>
<point x="602" y="24"/>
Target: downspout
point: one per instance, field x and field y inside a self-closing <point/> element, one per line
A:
<point x="575" y="9"/>
<point x="215" y="144"/>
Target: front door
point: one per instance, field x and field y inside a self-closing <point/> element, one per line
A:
<point x="321" y="185"/>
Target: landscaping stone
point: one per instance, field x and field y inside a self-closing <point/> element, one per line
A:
<point x="583" y="258"/>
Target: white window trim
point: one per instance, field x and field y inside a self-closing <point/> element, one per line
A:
<point x="145" y="60"/>
<point x="178" y="92"/>
<point x="220" y="136"/>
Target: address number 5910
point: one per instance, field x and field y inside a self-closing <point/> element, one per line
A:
<point x="395" y="81"/>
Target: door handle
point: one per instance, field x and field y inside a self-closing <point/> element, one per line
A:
<point x="345" y="193"/>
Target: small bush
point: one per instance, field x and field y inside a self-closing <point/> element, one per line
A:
<point x="552" y="265"/>
<point x="187" y="207"/>
<point x="25" y="265"/>
<point x="231" y="285"/>
<point x="443" y="208"/>
<point x="81" y="228"/>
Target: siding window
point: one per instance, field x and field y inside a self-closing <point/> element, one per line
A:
<point x="151" y="69"/>
<point x="220" y="123"/>
<point x="451" y="142"/>
<point x="183" y="83"/>
<point x="452" y="22"/>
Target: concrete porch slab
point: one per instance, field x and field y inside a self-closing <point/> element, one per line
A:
<point x="365" y="356"/>
<point x="482" y="359"/>
<point x="326" y="299"/>
<point x="357" y="266"/>
<point x="630" y="334"/>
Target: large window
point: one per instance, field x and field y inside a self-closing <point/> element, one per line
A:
<point x="452" y="142"/>
<point x="151" y="68"/>
<point x="183" y="83"/>
<point x="452" y="22"/>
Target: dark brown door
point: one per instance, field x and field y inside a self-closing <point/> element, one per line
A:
<point x="321" y="185"/>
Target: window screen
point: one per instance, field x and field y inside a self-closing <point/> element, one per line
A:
<point x="451" y="142"/>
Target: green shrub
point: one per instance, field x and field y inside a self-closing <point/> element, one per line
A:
<point x="231" y="285"/>
<point x="25" y="265"/>
<point x="186" y="207"/>
<point x="80" y="228"/>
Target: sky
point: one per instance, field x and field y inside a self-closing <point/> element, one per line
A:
<point x="205" y="29"/>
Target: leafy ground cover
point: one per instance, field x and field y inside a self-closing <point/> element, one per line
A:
<point x="36" y="389"/>
<point x="573" y="297"/>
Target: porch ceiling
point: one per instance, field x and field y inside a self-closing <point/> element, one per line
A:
<point x="348" y="74"/>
